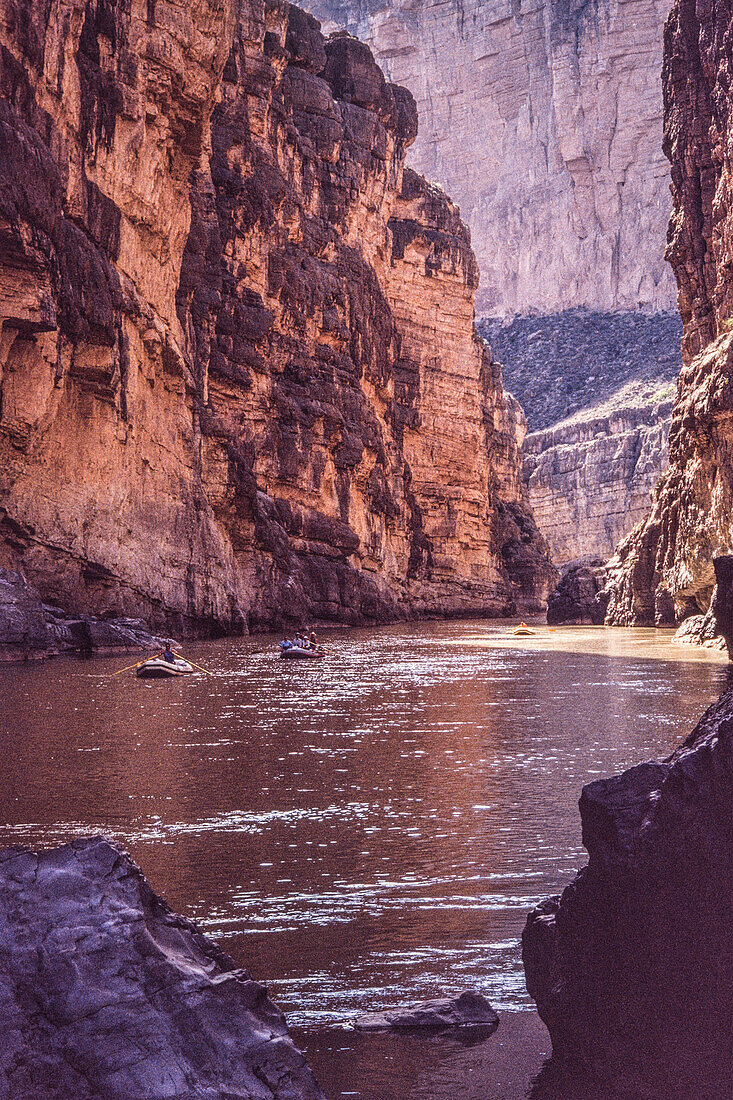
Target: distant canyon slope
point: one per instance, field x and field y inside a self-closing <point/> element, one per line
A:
<point x="240" y="383"/>
<point x="543" y="120"/>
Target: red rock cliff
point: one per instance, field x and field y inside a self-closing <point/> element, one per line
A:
<point x="239" y="379"/>
<point x="664" y="570"/>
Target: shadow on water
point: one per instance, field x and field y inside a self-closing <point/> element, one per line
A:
<point x="558" y="1080"/>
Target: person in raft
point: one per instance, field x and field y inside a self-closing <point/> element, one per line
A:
<point x="168" y="654"/>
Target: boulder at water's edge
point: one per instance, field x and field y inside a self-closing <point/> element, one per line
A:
<point x="632" y="967"/>
<point x="104" y="992"/>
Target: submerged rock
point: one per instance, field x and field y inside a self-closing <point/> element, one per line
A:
<point x="632" y="968"/>
<point x="104" y="992"/>
<point x="467" y="1010"/>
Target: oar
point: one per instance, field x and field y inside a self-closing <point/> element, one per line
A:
<point x="190" y="662"/>
<point x="129" y="667"/>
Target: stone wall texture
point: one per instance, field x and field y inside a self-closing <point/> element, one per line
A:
<point x="664" y="570"/>
<point x="239" y="379"/>
<point x="590" y="478"/>
<point x="543" y="120"/>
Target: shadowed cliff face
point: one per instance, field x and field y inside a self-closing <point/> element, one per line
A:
<point x="543" y="120"/>
<point x="664" y="570"/>
<point x="631" y="967"/>
<point x="239" y="380"/>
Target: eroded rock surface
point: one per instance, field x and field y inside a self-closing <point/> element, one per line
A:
<point x="632" y="968"/>
<point x="543" y="120"/>
<point x="106" y="992"/>
<point x="579" y="596"/>
<point x="590" y="478"/>
<point x="239" y="379"/>
<point x="665" y="569"/>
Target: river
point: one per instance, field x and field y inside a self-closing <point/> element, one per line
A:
<point x="362" y="831"/>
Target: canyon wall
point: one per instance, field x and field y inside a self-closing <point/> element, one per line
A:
<point x="590" y="478"/>
<point x="239" y="379"/>
<point x="597" y="388"/>
<point x="664" y="570"/>
<point x="543" y="120"/>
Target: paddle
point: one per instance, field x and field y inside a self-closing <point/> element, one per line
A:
<point x="188" y="659"/>
<point x="129" y="667"/>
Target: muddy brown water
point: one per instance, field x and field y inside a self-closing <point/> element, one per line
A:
<point x="363" y="831"/>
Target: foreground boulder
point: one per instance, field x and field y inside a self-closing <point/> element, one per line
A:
<point x="467" y="1010"/>
<point x="104" y="992"/>
<point x="632" y="968"/>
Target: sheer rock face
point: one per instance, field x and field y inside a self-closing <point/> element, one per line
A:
<point x="106" y="992"/>
<point x="632" y="968"/>
<point x="543" y="119"/>
<point x="239" y="380"/>
<point x="665" y="568"/>
<point x="590" y="478"/>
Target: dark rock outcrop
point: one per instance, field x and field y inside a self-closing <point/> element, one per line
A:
<point x="240" y="383"/>
<point x="721" y="604"/>
<point x="632" y="967"/>
<point x="579" y="597"/>
<point x="467" y="1010"/>
<point x="106" y="992"/>
<point x="23" y="628"/>
<point x="30" y="629"/>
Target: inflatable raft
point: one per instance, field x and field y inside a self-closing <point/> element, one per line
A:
<point x="524" y="631"/>
<point x="157" y="669"/>
<point x="293" y="652"/>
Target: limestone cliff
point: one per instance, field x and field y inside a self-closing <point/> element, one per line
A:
<point x="239" y="379"/>
<point x="590" y="478"/>
<point x="543" y="119"/>
<point x="631" y="967"/>
<point x="664" y="570"/>
<point x="597" y="388"/>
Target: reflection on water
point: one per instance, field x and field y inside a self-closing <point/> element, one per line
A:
<point x="363" y="831"/>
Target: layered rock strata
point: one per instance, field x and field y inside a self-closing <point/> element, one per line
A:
<point x="543" y="119"/>
<point x="632" y="968"/>
<point x="106" y="992"/>
<point x="239" y="379"/>
<point x="597" y="389"/>
<point x="664" y="570"/>
<point x="590" y="478"/>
